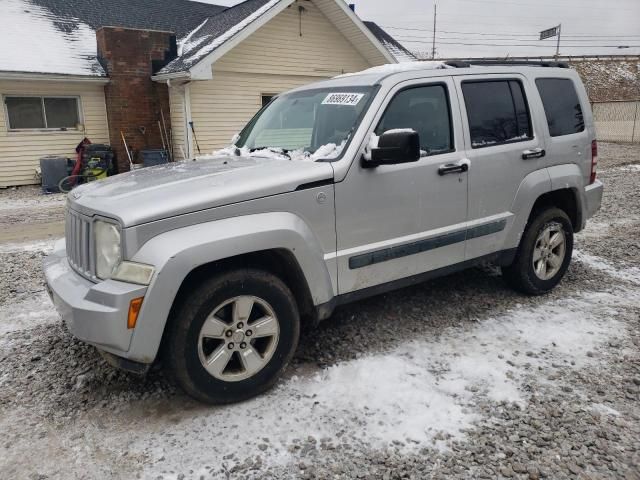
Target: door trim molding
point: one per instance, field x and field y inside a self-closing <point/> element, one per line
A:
<point x="413" y="248"/>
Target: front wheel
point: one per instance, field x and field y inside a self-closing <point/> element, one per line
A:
<point x="544" y="253"/>
<point x="232" y="337"/>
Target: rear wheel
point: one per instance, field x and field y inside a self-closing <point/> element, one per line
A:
<point x="544" y="253"/>
<point x="233" y="337"/>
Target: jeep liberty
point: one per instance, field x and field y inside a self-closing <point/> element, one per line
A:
<point x="335" y="191"/>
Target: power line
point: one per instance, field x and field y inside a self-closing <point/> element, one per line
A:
<point x="507" y="34"/>
<point x="511" y="39"/>
<point x="516" y="44"/>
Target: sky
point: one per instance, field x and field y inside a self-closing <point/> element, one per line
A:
<point x="476" y="28"/>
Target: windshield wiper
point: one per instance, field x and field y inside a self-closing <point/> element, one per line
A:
<point x="280" y="151"/>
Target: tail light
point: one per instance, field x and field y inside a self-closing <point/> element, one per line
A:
<point x="594" y="160"/>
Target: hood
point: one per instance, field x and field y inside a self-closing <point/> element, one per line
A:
<point x="154" y="193"/>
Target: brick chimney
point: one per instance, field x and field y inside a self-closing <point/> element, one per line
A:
<point x="134" y="102"/>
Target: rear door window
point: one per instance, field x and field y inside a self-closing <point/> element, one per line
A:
<point x="497" y="111"/>
<point x="561" y="106"/>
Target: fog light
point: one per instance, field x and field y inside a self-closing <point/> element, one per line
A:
<point x="134" y="309"/>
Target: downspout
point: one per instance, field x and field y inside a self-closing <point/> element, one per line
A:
<point x="187" y="119"/>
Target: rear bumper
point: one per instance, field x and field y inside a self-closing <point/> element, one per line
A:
<point x="593" y="198"/>
<point x="95" y="313"/>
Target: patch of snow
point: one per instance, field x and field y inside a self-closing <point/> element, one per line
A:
<point x="45" y="246"/>
<point x="32" y="41"/>
<point x="40" y="201"/>
<point x="24" y="315"/>
<point x="213" y="43"/>
<point x="390" y="68"/>
<point x="634" y="167"/>
<point x="420" y="393"/>
<point x="324" y="152"/>
<point x="400" y="130"/>
<point x="605" y="410"/>
<point x="630" y="274"/>
<point x="398" y="53"/>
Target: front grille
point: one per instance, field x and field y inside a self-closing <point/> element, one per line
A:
<point x="78" y="239"/>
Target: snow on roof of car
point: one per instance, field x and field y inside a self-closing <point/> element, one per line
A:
<point x="391" y="68"/>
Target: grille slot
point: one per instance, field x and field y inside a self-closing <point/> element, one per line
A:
<point x="78" y="239"/>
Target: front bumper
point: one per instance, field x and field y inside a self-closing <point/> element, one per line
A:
<point x="93" y="312"/>
<point x="593" y="198"/>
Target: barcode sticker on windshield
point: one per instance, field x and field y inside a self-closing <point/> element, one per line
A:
<point x="351" y="99"/>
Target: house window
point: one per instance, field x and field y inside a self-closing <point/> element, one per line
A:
<point x="266" y="98"/>
<point x="54" y="113"/>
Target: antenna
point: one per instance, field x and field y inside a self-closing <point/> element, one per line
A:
<point x="433" y="44"/>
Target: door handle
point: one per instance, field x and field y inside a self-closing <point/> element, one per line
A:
<point x="453" y="168"/>
<point x="533" y="153"/>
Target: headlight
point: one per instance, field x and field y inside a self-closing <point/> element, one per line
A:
<point x="108" y="251"/>
<point x="132" y="272"/>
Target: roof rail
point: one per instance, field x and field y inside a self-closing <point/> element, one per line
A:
<point x="468" y="63"/>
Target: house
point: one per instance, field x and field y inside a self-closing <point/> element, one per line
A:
<point x="71" y="68"/>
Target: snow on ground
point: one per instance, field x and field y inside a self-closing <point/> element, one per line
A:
<point x="9" y="202"/>
<point x="419" y="394"/>
<point x="630" y="274"/>
<point x="35" y="311"/>
<point x="33" y="40"/>
<point x="45" y="246"/>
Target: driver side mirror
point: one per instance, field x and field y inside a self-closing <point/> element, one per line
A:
<point x="395" y="146"/>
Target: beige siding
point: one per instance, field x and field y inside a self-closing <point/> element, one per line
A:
<point x="272" y="60"/>
<point x="278" y="48"/>
<point x="20" y="151"/>
<point x="176" y="105"/>
<point x="222" y="106"/>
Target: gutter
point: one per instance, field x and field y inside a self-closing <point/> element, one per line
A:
<point x="163" y="77"/>
<point x="54" y="77"/>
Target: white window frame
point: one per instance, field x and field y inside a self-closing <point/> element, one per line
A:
<point x="77" y="98"/>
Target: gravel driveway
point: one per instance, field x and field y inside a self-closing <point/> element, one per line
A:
<point x="455" y="378"/>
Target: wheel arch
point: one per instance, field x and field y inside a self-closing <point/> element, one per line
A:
<point x="281" y="243"/>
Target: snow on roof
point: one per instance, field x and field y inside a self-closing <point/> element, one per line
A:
<point x="215" y="31"/>
<point x="394" y="47"/>
<point x="390" y="68"/>
<point x="32" y="41"/>
<point x="58" y="36"/>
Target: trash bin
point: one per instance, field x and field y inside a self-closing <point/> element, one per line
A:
<point x="53" y="170"/>
<point x="154" y="157"/>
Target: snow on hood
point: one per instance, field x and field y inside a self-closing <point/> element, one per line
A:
<point x="33" y="41"/>
<point x="325" y="152"/>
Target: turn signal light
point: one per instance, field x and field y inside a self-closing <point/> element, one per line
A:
<point x="134" y="309"/>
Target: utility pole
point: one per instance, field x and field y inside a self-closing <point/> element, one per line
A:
<point x="558" y="43"/>
<point x="433" y="44"/>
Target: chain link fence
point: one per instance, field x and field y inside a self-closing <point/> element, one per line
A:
<point x="617" y="121"/>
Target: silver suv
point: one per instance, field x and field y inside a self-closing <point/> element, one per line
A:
<point x="333" y="192"/>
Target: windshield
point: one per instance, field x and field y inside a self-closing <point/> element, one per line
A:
<point x="307" y="125"/>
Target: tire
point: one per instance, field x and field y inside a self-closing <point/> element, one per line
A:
<point x="530" y="276"/>
<point x="194" y="338"/>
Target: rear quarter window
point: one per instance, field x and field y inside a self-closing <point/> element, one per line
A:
<point x="561" y="106"/>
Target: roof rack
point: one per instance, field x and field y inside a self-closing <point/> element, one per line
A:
<point x="468" y="63"/>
